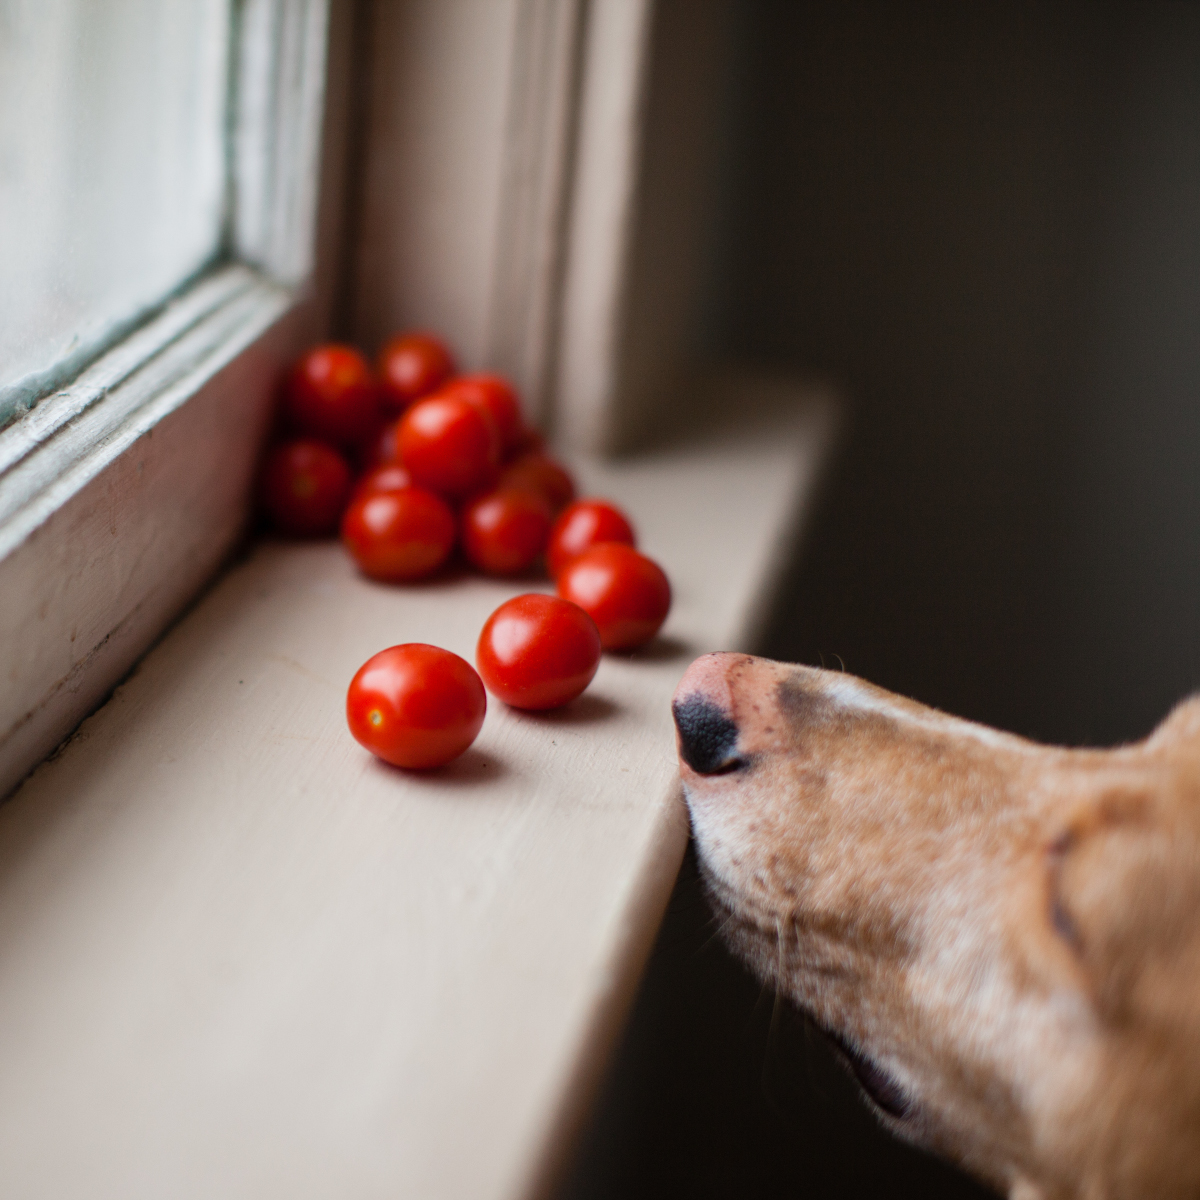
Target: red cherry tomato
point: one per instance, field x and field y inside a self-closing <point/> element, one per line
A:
<point x="531" y="442"/>
<point x="394" y="536"/>
<point x="449" y="446"/>
<point x="410" y="366"/>
<point x="379" y="447"/>
<point x="388" y="478"/>
<point x="539" y="473"/>
<point x="504" y="532"/>
<point x="584" y="524"/>
<point x="415" y="705"/>
<point x="304" y="488"/>
<point x="498" y="398"/>
<point x="624" y="592"/>
<point x="538" y="651"/>
<point x="331" y="395"/>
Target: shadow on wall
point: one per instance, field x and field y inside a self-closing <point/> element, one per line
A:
<point x="986" y="220"/>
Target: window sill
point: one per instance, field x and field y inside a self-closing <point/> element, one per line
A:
<point x="241" y="957"/>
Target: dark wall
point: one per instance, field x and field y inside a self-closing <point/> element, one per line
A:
<point x="984" y="220"/>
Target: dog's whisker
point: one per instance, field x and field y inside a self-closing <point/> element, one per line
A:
<point x="721" y="926"/>
<point x="779" y="975"/>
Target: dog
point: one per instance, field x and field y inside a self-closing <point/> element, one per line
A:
<point x="1001" y="938"/>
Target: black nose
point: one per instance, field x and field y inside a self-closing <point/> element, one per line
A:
<point x="707" y="736"/>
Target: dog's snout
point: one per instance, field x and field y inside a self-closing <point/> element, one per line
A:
<point x="707" y="736"/>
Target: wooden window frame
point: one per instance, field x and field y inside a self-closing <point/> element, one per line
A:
<point x="122" y="493"/>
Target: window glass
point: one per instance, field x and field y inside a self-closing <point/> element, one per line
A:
<point x="112" y="172"/>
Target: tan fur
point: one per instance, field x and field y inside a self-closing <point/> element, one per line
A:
<point x="1011" y="932"/>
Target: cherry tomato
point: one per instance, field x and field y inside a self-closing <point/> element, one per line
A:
<point x="503" y="532"/>
<point x="304" y="488"/>
<point x="388" y="478"/>
<point x="393" y="536"/>
<point x="624" y="592"/>
<point x="538" y="651"/>
<point x="331" y="395"/>
<point x="498" y="398"/>
<point x="531" y="442"/>
<point x="415" y="705"/>
<point x="582" y="525"/>
<point x="539" y="473"/>
<point x="449" y="445"/>
<point x="379" y="447"/>
<point x="410" y="366"/>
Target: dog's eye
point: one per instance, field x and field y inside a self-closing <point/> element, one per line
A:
<point x="1060" y="916"/>
<point x="874" y="1080"/>
<point x="1062" y="922"/>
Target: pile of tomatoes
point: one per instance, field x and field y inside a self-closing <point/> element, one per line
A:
<point x="447" y="460"/>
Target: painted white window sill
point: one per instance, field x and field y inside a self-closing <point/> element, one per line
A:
<point x="239" y="957"/>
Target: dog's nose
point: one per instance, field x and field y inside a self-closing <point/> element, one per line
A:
<point x="707" y="736"/>
<point x="703" y="711"/>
